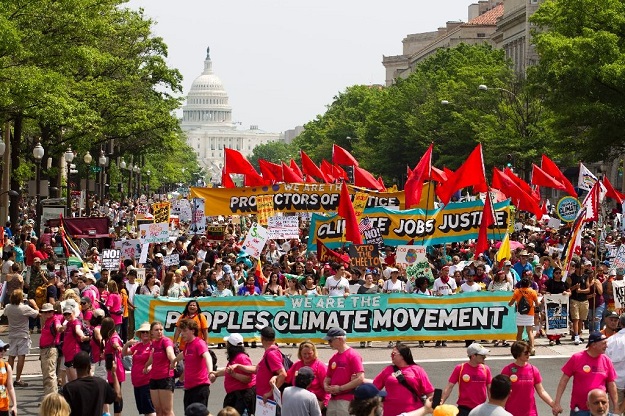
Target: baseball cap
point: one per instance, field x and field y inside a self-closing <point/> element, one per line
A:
<point x="611" y="314"/>
<point x="305" y="374"/>
<point x="508" y="263"/>
<point x="68" y="309"/>
<point x="595" y="337"/>
<point x="46" y="307"/>
<point x="158" y="255"/>
<point x="367" y="391"/>
<point x="3" y="345"/>
<point x="478" y="349"/>
<point x="333" y="333"/>
<point x="98" y="313"/>
<point x="234" y="339"/>
<point x="196" y="409"/>
<point x="85" y="299"/>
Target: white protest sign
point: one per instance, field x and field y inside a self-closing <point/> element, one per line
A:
<point x="143" y="258"/>
<point x="140" y="276"/>
<point x="255" y="240"/>
<point x="414" y="259"/>
<point x="618" y="289"/>
<point x="154" y="233"/>
<point x="131" y="249"/>
<point x="557" y="309"/>
<point x="111" y="258"/>
<point x="283" y="227"/>
<point x="618" y="262"/>
<point x="198" y="222"/>
<point x="171" y="260"/>
<point x="263" y="408"/>
<point x="554" y="223"/>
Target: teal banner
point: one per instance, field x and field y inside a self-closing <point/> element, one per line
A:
<point x="382" y="317"/>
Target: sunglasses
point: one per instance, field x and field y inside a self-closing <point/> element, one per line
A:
<point x="83" y="303"/>
<point x="67" y="313"/>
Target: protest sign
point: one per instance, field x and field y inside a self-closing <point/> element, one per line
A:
<point x="264" y="207"/>
<point x="154" y="233"/>
<point x="360" y="203"/>
<point x="265" y="408"/>
<point x="383" y="317"/>
<point x="293" y="197"/>
<point x="215" y="233"/>
<point x="83" y="247"/>
<point x="255" y="240"/>
<point x="130" y="249"/>
<point x="618" y="261"/>
<point x="171" y="260"/>
<point x="618" y="289"/>
<point x="373" y="236"/>
<point x="414" y="259"/>
<point x="198" y="222"/>
<point x="364" y="255"/>
<point x="455" y="222"/>
<point x="111" y="258"/>
<point x="281" y="227"/>
<point x="161" y="211"/>
<point x="557" y="312"/>
<point x="140" y="276"/>
<point x="567" y="208"/>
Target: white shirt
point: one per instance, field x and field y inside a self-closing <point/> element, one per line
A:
<point x="616" y="353"/>
<point x="132" y="289"/>
<point x="397" y="287"/>
<point x="337" y="287"/>
<point x="467" y="288"/>
<point x="444" y="289"/>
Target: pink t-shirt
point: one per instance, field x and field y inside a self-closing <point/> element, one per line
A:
<point x="110" y="349"/>
<point x="92" y="293"/>
<point x="160" y="362"/>
<point x="96" y="353"/>
<point x="398" y="398"/>
<point x="232" y="384"/>
<point x="87" y="315"/>
<point x="316" y="387"/>
<point x="588" y="373"/>
<point x="71" y="344"/>
<point x="47" y="339"/>
<point x="472" y="384"/>
<point x="522" y="401"/>
<point x="195" y="371"/>
<point x="140" y="355"/>
<point x="341" y="368"/>
<point x="268" y="366"/>
<point x="114" y="303"/>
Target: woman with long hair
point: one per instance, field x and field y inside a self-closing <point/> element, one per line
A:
<point x="54" y="404"/>
<point x="112" y="346"/>
<point x="161" y="375"/>
<point x="192" y="311"/>
<point x="293" y="287"/>
<point x="72" y="337"/>
<point x="239" y="385"/>
<point x="404" y="381"/>
<point x="114" y="305"/>
<point x="167" y="282"/>
<point x="140" y="351"/>
<point x="307" y="354"/>
<point x="97" y="354"/>
<point x="149" y="286"/>
<point x="272" y="287"/>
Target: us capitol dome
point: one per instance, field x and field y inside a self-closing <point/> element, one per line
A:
<point x="207" y="123"/>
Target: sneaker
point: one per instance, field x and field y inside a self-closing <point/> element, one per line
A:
<point x="421" y="344"/>
<point x="444" y="344"/>
<point x="179" y="384"/>
<point x="551" y="343"/>
<point x="558" y="342"/>
<point x="577" y="340"/>
<point x="391" y="344"/>
<point x="363" y="344"/>
<point x="438" y="344"/>
<point x="369" y="344"/>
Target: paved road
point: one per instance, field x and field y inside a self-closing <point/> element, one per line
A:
<point x="438" y="362"/>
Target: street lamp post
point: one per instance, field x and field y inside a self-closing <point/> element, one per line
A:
<point x="38" y="153"/>
<point x="148" y="173"/>
<point x="130" y="193"/>
<point x="137" y="172"/>
<point x="102" y="162"/>
<point x="87" y="158"/>
<point x="69" y="156"/>
<point x="122" y="167"/>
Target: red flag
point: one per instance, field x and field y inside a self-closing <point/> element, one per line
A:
<point x="226" y="180"/>
<point x="487" y="220"/>
<point x="552" y="169"/>
<point x="471" y="173"/>
<point x="592" y="203"/>
<point x="296" y="168"/>
<point x="328" y="172"/>
<point x="521" y="183"/>
<point x="270" y="171"/>
<point x="341" y="156"/>
<point x="235" y="162"/>
<point x="414" y="184"/>
<point x="326" y="255"/>
<point x="364" y="179"/>
<point x="346" y="210"/>
<point x="381" y="182"/>
<point x="310" y="168"/>
<point x="611" y="192"/>
<point x="309" y="179"/>
<point x="519" y="197"/>
<point x="542" y="178"/>
<point x="438" y="175"/>
<point x="339" y="172"/>
<point x="289" y="175"/>
<point x="254" y="179"/>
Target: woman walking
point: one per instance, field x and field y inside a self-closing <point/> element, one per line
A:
<point x="140" y="351"/>
<point x="112" y="346"/>
<point x="159" y="365"/>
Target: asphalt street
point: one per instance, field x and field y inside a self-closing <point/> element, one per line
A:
<point x="438" y="362"/>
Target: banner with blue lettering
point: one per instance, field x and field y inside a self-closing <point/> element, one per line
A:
<point x="381" y="317"/>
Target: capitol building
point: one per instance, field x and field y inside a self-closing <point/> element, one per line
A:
<point x="207" y="123"/>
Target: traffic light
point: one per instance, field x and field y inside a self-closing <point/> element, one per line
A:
<point x="509" y="163"/>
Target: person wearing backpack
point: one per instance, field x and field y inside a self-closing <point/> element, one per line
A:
<point x="48" y="353"/>
<point x="526" y="300"/>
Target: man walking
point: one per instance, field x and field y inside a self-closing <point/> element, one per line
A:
<point x="499" y="392"/>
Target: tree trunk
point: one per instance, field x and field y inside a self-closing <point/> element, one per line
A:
<point x="14" y="211"/>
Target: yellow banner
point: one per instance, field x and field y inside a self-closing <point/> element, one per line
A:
<point x="161" y="210"/>
<point x="314" y="197"/>
<point x="264" y="204"/>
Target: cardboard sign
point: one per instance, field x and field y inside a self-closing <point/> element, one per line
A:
<point x="255" y="240"/>
<point x="161" y="211"/>
<point x="111" y="258"/>
<point x="618" y="262"/>
<point x="414" y="259"/>
<point x="171" y="260"/>
<point x="618" y="289"/>
<point x="360" y="203"/>
<point x="364" y="255"/>
<point x="154" y="233"/>
<point x="373" y="236"/>
<point x="130" y="249"/>
<point x="283" y="227"/>
<point x="198" y="220"/>
<point x="215" y="233"/>
<point x="557" y="311"/>
<point x="264" y="206"/>
<point x="140" y="276"/>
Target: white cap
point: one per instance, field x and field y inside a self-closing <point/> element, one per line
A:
<point x="234" y="339"/>
<point x="478" y="349"/>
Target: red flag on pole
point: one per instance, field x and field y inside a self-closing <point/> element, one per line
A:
<point x="611" y="192"/>
<point x="310" y="168"/>
<point x="270" y="171"/>
<point x="521" y="184"/>
<point x="289" y="175"/>
<point x="542" y="178"/>
<point x="438" y="175"/>
<point x="296" y="168"/>
<point x="471" y="173"/>
<point x="339" y="172"/>
<point x="488" y="219"/>
<point x="226" y="180"/>
<point x="341" y="156"/>
<point x="381" y="182"/>
<point x="414" y="184"/>
<point x="552" y="169"/>
<point x="519" y="197"/>
<point x="327" y="170"/>
<point x="364" y="179"/>
<point x="346" y="210"/>
<point x="235" y="162"/>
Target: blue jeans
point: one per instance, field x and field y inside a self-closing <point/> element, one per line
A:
<point x="596" y="323"/>
<point x="580" y="413"/>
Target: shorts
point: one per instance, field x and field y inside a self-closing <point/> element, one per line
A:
<point x="197" y="394"/>
<point x="163" y="384"/>
<point x="69" y="364"/>
<point x="337" y="408"/>
<point x="524" y="320"/>
<point x="579" y="310"/>
<point x="118" y="406"/>
<point x="20" y="346"/>
<point x="99" y="370"/>
<point x="143" y="400"/>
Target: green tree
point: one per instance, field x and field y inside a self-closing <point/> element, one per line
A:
<point x="275" y="152"/>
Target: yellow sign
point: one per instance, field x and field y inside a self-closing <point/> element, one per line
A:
<point x="314" y="197"/>
<point x="161" y="210"/>
<point x="264" y="204"/>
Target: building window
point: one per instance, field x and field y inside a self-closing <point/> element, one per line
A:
<point x="481" y="35"/>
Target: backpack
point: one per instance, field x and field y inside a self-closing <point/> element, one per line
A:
<point x="86" y="329"/>
<point x="286" y="363"/>
<point x="40" y="294"/>
<point x="214" y="358"/>
<point x="523" y="307"/>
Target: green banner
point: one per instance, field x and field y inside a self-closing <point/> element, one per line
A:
<point x="382" y="317"/>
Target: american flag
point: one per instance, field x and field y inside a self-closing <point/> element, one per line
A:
<point x="364" y="225"/>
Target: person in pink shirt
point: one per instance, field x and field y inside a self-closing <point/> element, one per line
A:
<point x="140" y="351"/>
<point x="114" y="305"/>
<point x="525" y="380"/>
<point x="113" y="351"/>
<point x="239" y="385"/>
<point x="345" y="373"/>
<point x="590" y="369"/>
<point x="404" y="381"/>
<point x="473" y="378"/>
<point x="198" y="364"/>
<point x="307" y="354"/>
<point x="159" y="365"/>
<point x="48" y="353"/>
<point x="72" y="337"/>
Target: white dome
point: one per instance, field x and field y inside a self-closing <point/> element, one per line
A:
<point x="206" y="82"/>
